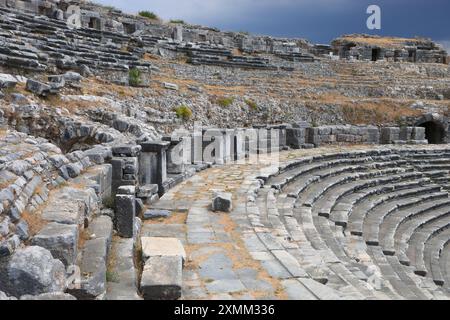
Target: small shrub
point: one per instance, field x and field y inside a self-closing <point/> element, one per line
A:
<point x="225" y="102"/>
<point x="149" y="15"/>
<point x="177" y="21"/>
<point x="251" y="104"/>
<point x="134" y="77"/>
<point x="183" y="112"/>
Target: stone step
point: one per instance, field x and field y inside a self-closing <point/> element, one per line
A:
<point x="122" y="280"/>
<point x="373" y="221"/>
<point x="394" y="224"/>
<point x="444" y="263"/>
<point x="162" y="260"/>
<point x="359" y="212"/>
<point x="415" y="251"/>
<point x="366" y="181"/>
<point x="93" y="260"/>
<point x="432" y="254"/>
<point x="342" y="210"/>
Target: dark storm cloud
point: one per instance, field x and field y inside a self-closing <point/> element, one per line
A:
<point x="316" y="20"/>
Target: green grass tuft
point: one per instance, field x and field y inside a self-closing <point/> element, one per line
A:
<point x="134" y="77"/>
<point x="183" y="112"/>
<point x="149" y="15"/>
<point x="251" y="104"/>
<point x="225" y="102"/>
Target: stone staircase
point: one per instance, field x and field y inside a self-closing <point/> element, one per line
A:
<point x="37" y="43"/>
<point x="367" y="225"/>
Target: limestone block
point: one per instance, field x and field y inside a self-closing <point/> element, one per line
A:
<point x="124" y="215"/>
<point x="222" y="202"/>
<point x="162" y="278"/>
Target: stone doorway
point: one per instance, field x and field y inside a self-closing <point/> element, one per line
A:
<point x="95" y="23"/>
<point x="434" y="132"/>
<point x="375" y="54"/>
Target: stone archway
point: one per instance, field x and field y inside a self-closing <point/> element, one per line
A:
<point x="436" y="128"/>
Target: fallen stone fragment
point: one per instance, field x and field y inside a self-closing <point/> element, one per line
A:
<point x="60" y="239"/>
<point x="222" y="202"/>
<point x="33" y="271"/>
<point x="38" y="88"/>
<point x="170" y="86"/>
<point x="7" y="81"/>
<point x="155" y="213"/>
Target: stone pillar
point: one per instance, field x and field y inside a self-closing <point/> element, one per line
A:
<point x="228" y="145"/>
<point x="418" y="134"/>
<point x="262" y="138"/>
<point x="125" y="166"/>
<point x="313" y="136"/>
<point x="389" y="135"/>
<point x="178" y="33"/>
<point x="295" y="137"/>
<point x="281" y="132"/>
<point x="406" y="133"/>
<point x="213" y="146"/>
<point x="251" y="143"/>
<point x="124" y="215"/>
<point x="239" y="151"/>
<point x="153" y="162"/>
<point x="177" y="153"/>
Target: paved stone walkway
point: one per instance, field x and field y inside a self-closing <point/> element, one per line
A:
<point x="229" y="256"/>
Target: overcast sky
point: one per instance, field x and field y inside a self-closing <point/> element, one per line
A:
<point x="317" y="20"/>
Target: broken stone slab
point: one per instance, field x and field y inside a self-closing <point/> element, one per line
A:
<point x="7" y="81"/>
<point x="38" y="88"/>
<point x="57" y="82"/>
<point x="72" y="76"/>
<point x="222" y="201"/>
<point x="156" y="213"/>
<point x="94" y="260"/>
<point x="9" y="245"/>
<point x="61" y="240"/>
<point x="93" y="271"/>
<point x="159" y="246"/>
<point x="31" y="271"/>
<point x="124" y="215"/>
<point x="162" y="278"/>
<point x="126" y="190"/>
<point x="101" y="228"/>
<point x="126" y="151"/>
<point x="147" y="191"/>
<point x="170" y="86"/>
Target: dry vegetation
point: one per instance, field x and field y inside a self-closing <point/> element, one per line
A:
<point x="34" y="221"/>
<point x="379" y="41"/>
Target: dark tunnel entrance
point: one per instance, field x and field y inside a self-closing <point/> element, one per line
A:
<point x="434" y="132"/>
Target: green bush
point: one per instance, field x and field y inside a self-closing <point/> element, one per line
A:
<point x="225" y="102"/>
<point x="183" y="112"/>
<point x="177" y="21"/>
<point x="251" y="104"/>
<point x="149" y="15"/>
<point x="134" y="77"/>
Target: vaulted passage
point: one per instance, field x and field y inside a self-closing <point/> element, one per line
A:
<point x="434" y="132"/>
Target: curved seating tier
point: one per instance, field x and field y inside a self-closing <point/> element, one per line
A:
<point x="366" y="224"/>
